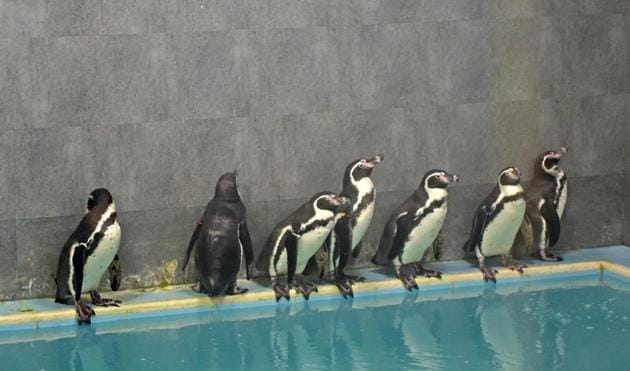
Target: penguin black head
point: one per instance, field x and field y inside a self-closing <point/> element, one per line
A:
<point x="509" y="176"/>
<point x="99" y="197"/>
<point x="362" y="168"/>
<point x="548" y="162"/>
<point x="329" y="201"/>
<point x="437" y="178"/>
<point x="226" y="187"/>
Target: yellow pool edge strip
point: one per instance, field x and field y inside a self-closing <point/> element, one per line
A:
<point x="373" y="286"/>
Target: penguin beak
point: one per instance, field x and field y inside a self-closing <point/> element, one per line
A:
<point x="374" y="160"/>
<point x="453" y="178"/>
<point x="344" y="200"/>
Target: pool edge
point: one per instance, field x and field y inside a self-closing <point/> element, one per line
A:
<point x="34" y="320"/>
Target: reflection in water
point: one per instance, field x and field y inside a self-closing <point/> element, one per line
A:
<point x="563" y="329"/>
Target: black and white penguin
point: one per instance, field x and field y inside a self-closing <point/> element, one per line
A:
<point x="87" y="254"/>
<point x="337" y="250"/>
<point x="359" y="188"/>
<point x="296" y="239"/>
<point x="413" y="227"/>
<point x="496" y="223"/>
<point x="546" y="199"/>
<point x="221" y="240"/>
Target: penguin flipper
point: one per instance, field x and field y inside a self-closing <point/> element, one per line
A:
<point x="343" y="242"/>
<point x="403" y="225"/>
<point x="479" y="224"/>
<point x="248" y="250"/>
<point x="387" y="239"/>
<point x="191" y="244"/>
<point x="548" y="211"/>
<point x="291" y="246"/>
<point x="78" y="264"/>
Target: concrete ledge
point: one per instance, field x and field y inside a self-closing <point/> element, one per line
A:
<point x="39" y="313"/>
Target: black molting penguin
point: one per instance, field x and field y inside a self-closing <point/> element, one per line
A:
<point x="413" y="227"/>
<point x="221" y="240"/>
<point x="296" y="239"/>
<point x="496" y="223"/>
<point x="87" y="254"/>
<point x="546" y="199"/>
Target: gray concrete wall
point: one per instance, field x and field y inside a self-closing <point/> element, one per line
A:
<point x="155" y="99"/>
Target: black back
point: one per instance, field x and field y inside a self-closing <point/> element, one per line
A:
<point x="217" y="240"/>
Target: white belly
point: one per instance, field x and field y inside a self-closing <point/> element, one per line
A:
<point x="499" y="235"/>
<point x="363" y="222"/>
<point x="101" y="258"/>
<point x="307" y="246"/>
<point x="562" y="200"/>
<point x="423" y="236"/>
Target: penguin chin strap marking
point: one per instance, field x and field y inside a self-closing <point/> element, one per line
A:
<point x="507" y="262"/>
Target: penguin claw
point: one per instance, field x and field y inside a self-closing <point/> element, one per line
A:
<point x="432" y="274"/>
<point x="517" y="267"/>
<point x="345" y="288"/>
<point x="84" y="313"/>
<point x="306" y="290"/>
<point x="489" y="275"/>
<point x="410" y="282"/>
<point x="281" y="292"/>
<point x="549" y="257"/>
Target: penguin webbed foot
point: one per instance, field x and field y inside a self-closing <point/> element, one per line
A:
<point x="489" y="274"/>
<point x="549" y="257"/>
<point x="103" y="302"/>
<point x="233" y="289"/>
<point x="512" y="265"/>
<point x="345" y="287"/>
<point x="354" y="279"/>
<point x="280" y="290"/>
<point x="84" y="313"/>
<point x="429" y="273"/>
<point x="304" y="288"/>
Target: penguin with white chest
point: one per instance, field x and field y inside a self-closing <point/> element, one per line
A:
<point x="496" y="223"/>
<point x="359" y="188"/>
<point x="546" y="199"/>
<point x="350" y="225"/>
<point x="413" y="227"/>
<point x="87" y="254"/>
<point x="221" y="240"/>
<point x="295" y="240"/>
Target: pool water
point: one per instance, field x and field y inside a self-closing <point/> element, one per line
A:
<point x="577" y="325"/>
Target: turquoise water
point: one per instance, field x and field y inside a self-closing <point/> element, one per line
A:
<point x="580" y="325"/>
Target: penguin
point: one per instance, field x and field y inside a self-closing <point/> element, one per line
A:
<point x="413" y="227"/>
<point x="221" y="240"/>
<point x="296" y="239"/>
<point x="546" y="199"/>
<point x="87" y="254"/>
<point x="359" y="188"/>
<point x="336" y="251"/>
<point x="496" y="223"/>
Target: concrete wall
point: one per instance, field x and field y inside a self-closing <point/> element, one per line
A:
<point x="154" y="99"/>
